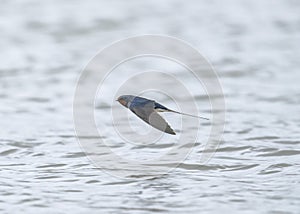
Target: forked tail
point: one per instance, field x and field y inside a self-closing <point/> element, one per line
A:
<point x="177" y="112"/>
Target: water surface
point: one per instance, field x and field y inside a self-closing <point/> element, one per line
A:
<point x="254" y="47"/>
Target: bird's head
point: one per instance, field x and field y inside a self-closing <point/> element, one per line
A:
<point x="125" y="100"/>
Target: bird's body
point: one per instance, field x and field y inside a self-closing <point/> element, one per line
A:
<point x="147" y="110"/>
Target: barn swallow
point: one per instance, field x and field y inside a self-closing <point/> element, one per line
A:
<point x="147" y="110"/>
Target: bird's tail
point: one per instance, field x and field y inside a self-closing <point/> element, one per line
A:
<point x="190" y="115"/>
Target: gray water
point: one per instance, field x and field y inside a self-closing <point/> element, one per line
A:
<point x="255" y="49"/>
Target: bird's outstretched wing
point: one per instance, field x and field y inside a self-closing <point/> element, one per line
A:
<point x="146" y="112"/>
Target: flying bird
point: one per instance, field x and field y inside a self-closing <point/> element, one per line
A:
<point x="147" y="110"/>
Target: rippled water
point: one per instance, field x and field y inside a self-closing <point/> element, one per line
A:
<point x="254" y="46"/>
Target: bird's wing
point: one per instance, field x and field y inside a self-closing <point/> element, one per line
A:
<point x="150" y="116"/>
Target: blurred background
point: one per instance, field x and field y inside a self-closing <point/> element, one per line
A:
<point x="253" y="45"/>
